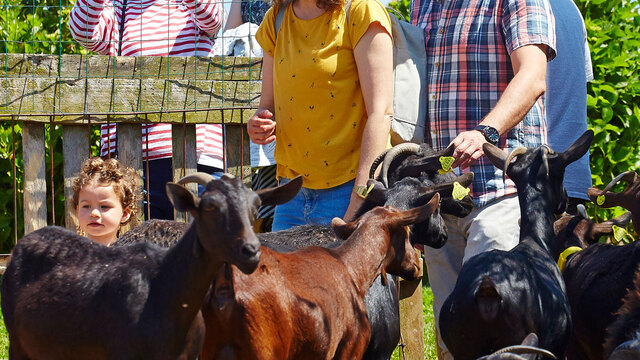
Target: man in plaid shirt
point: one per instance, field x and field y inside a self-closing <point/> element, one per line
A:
<point x="486" y="66"/>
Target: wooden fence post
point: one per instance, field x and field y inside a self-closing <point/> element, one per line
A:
<point x="411" y="318"/>
<point x="130" y="154"/>
<point x="181" y="134"/>
<point x="35" y="185"/>
<point x="75" y="150"/>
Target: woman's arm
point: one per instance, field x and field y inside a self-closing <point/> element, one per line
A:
<point x="374" y="58"/>
<point x="261" y="126"/>
<point x="93" y="24"/>
<point x="209" y="15"/>
<point x="235" y="16"/>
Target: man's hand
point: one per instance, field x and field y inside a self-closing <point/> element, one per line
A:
<point x="261" y="127"/>
<point x="468" y="148"/>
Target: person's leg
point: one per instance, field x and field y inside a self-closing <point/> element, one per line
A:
<point x="329" y="203"/>
<point x="443" y="266"/>
<point x="495" y="227"/>
<point x="291" y="213"/>
<point x="160" y="172"/>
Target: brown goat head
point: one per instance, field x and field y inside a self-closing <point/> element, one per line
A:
<point x="224" y="215"/>
<point x="629" y="198"/>
<point x="401" y="259"/>
<point x="580" y="230"/>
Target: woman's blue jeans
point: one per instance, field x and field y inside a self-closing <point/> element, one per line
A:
<point x="311" y="206"/>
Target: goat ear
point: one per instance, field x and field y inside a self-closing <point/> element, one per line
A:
<point x="578" y="148"/>
<point x="342" y="229"/>
<point x="530" y="340"/>
<point x="181" y="198"/>
<point x="378" y="194"/>
<point x="495" y="155"/>
<point x="448" y="151"/>
<point x="280" y="194"/>
<point x="606" y="227"/>
<point x="419" y="214"/>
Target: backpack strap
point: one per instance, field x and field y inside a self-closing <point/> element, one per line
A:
<point x="280" y="14"/>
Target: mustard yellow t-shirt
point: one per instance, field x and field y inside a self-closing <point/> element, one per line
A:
<point x="319" y="109"/>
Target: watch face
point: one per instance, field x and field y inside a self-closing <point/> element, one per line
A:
<point x="491" y="134"/>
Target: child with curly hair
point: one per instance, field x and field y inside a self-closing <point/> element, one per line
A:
<point x="105" y="195"/>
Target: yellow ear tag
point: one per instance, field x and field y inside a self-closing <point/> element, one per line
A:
<point x="446" y="162"/>
<point x="459" y="191"/>
<point x="620" y="234"/>
<point x="600" y="200"/>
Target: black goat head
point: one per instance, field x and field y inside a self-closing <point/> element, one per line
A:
<point x="541" y="168"/>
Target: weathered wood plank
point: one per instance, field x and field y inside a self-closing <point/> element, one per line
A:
<point x="411" y="319"/>
<point x="75" y="150"/>
<point x="35" y="187"/>
<point x="237" y="154"/>
<point x="162" y="100"/>
<point x="126" y="67"/>
<point x="130" y="154"/>
<point x="184" y="158"/>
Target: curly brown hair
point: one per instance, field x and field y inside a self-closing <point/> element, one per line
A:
<point x="109" y="172"/>
<point x="328" y="5"/>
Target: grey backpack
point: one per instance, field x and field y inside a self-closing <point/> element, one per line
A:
<point x="409" y="77"/>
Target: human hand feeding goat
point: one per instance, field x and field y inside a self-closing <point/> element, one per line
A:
<point x="65" y="297"/>
<point x="513" y="293"/>
<point x="308" y="304"/>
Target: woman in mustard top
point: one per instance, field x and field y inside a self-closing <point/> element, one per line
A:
<point x="327" y="84"/>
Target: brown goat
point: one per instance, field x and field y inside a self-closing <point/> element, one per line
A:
<point x="629" y="198"/>
<point x="623" y="336"/>
<point x="309" y="304"/>
<point x="66" y="297"/>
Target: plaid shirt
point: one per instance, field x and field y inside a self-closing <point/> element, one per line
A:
<point x="468" y="65"/>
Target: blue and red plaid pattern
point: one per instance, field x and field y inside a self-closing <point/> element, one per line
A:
<point x="468" y="67"/>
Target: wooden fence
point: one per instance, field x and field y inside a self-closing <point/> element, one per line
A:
<point x="77" y="91"/>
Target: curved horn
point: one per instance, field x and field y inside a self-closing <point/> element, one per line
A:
<point x="227" y="176"/>
<point x="519" y="349"/>
<point x="546" y="150"/>
<point x="617" y="179"/>
<point x="199" y="177"/>
<point x="502" y="357"/>
<point x="517" y="151"/>
<point x="376" y="163"/>
<point x="392" y="154"/>
<point x="582" y="211"/>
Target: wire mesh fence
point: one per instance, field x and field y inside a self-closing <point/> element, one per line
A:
<point x="70" y="70"/>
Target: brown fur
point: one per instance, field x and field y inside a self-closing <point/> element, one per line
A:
<point x="278" y="314"/>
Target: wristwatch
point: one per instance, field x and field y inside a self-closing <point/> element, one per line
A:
<point x="490" y="133"/>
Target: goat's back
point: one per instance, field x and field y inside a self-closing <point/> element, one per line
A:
<point x="50" y="268"/>
<point x="476" y="321"/>
<point x="597" y="279"/>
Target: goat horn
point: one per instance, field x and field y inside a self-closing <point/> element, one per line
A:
<point x="392" y="154"/>
<point x="518" y="349"/>
<point x="517" y="151"/>
<point x="227" y="176"/>
<point x="582" y="211"/>
<point x="502" y="357"/>
<point x="199" y="177"/>
<point x="376" y="163"/>
<point x="546" y="150"/>
<point x="617" y="179"/>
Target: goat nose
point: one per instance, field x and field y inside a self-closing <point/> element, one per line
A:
<point x="250" y="250"/>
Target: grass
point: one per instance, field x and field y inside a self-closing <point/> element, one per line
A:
<point x="429" y="332"/>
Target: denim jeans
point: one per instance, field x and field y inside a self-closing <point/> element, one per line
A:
<point x="311" y="206"/>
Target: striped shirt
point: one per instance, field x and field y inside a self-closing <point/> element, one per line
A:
<point x="468" y="68"/>
<point x="153" y="28"/>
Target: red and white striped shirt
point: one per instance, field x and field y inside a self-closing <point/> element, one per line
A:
<point x="153" y="28"/>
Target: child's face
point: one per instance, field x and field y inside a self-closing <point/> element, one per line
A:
<point x="100" y="213"/>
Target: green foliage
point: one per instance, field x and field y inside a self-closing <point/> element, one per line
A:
<point x="613" y="30"/>
<point x="403" y="7"/>
<point x="10" y="141"/>
<point x="36" y="27"/>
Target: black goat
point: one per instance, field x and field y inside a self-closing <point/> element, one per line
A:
<point x="596" y="278"/>
<point x="501" y="296"/>
<point x="66" y="297"/>
<point x="623" y="336"/>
